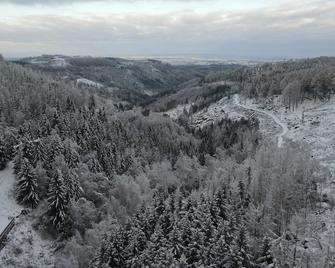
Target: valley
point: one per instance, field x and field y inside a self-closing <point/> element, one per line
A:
<point x="101" y="175"/>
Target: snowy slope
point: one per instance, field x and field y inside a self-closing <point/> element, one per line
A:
<point x="8" y="207"/>
<point x="313" y="122"/>
<point x="87" y="82"/>
<point x="275" y="118"/>
<point x="24" y="246"/>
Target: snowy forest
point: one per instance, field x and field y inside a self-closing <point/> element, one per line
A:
<point x="113" y="183"/>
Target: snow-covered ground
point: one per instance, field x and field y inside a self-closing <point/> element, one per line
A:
<point x="9" y="209"/>
<point x="312" y="122"/>
<point x="178" y="111"/>
<point x="53" y="61"/>
<point x="59" y="62"/>
<point x="216" y="111"/>
<point x="281" y="124"/>
<point x="224" y="108"/>
<point x="24" y="246"/>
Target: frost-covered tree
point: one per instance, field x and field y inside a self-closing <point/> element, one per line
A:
<point x="57" y="201"/>
<point x="27" y="189"/>
<point x="3" y="155"/>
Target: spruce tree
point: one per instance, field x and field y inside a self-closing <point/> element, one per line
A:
<point x="58" y="201"/>
<point x="18" y="162"/>
<point x="3" y="156"/>
<point x="39" y="152"/>
<point x="26" y="192"/>
<point x="27" y="149"/>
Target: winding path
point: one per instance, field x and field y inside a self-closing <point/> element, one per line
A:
<point x="282" y="125"/>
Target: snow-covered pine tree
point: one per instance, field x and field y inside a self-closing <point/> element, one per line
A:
<point x="26" y="189"/>
<point x="240" y="254"/>
<point x="3" y="155"/>
<point x="10" y="141"/>
<point x="72" y="185"/>
<point x="70" y="152"/>
<point x="18" y="162"/>
<point x="54" y="148"/>
<point x="93" y="164"/>
<point x="101" y="257"/>
<point x="39" y="152"/>
<point x="92" y="104"/>
<point x="58" y="201"/>
<point x="27" y="149"/>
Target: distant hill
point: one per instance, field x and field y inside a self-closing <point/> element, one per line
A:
<point x="143" y="77"/>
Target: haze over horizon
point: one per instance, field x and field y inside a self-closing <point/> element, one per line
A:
<point x="243" y="29"/>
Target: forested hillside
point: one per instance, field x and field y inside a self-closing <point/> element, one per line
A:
<point x="116" y="188"/>
<point x="295" y="80"/>
<point x="136" y="81"/>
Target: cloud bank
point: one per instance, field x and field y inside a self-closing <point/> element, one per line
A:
<point x="291" y="30"/>
<point x="60" y="2"/>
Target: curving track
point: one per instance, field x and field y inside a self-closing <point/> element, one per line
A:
<point x="280" y="136"/>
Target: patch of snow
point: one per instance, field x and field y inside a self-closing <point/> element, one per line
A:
<point x="283" y="125"/>
<point x="26" y="248"/>
<point x="38" y="62"/>
<point x="178" y="111"/>
<point x="224" y="108"/>
<point x="148" y="92"/>
<point x="58" y="62"/>
<point x="55" y="61"/>
<point x="87" y="82"/>
<point x="9" y="209"/>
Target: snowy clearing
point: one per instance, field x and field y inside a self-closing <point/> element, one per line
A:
<point x="283" y="125"/>
<point x="224" y="108"/>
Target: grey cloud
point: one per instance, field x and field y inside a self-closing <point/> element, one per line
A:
<point x="62" y="2"/>
<point x="289" y="31"/>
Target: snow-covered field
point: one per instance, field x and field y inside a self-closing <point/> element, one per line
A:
<point x="24" y="246"/>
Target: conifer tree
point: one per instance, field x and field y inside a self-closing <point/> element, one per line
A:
<point x="3" y="155"/>
<point x="18" y="162"/>
<point x="27" y="149"/>
<point x="26" y="191"/>
<point x="57" y="200"/>
<point x="39" y="152"/>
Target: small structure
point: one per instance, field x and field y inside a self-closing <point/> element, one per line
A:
<point x="4" y="234"/>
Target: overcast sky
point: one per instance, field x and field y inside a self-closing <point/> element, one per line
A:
<point x="226" y="28"/>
